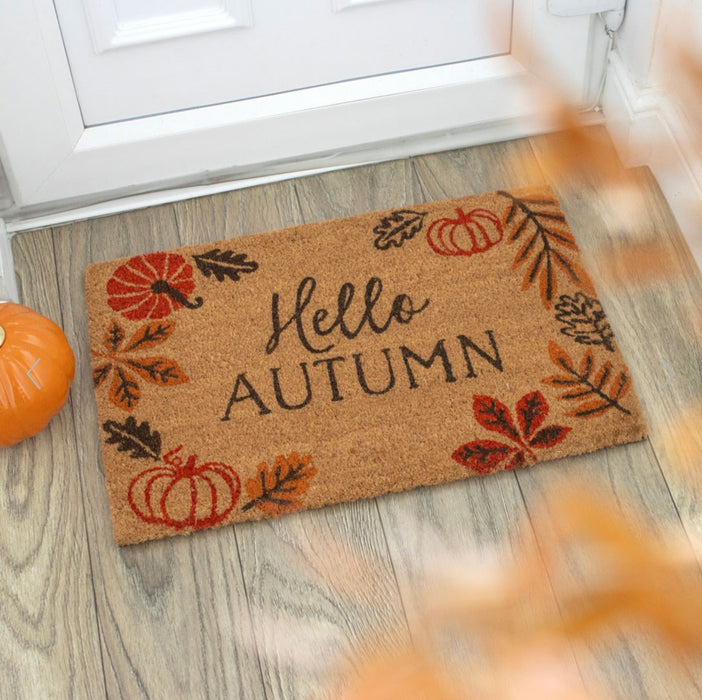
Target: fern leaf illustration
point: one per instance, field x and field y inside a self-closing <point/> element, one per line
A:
<point x="595" y="391"/>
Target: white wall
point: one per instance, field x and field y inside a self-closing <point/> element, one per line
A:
<point x="651" y="124"/>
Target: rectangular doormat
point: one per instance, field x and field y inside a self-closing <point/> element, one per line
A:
<point x="260" y="375"/>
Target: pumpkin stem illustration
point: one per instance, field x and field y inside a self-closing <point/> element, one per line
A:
<point x="162" y="287"/>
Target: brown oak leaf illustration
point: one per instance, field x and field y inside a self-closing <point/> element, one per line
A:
<point x="276" y="490"/>
<point x="594" y="392"/>
<point x="540" y="226"/>
<point x="122" y="360"/>
<point x="485" y="456"/>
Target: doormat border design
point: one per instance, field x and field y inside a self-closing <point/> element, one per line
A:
<point x="178" y="492"/>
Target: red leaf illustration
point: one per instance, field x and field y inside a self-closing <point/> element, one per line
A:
<point x="532" y="410"/>
<point x="485" y="456"/>
<point x="519" y="460"/>
<point x="550" y="436"/>
<point x="482" y="456"/>
<point x="495" y="416"/>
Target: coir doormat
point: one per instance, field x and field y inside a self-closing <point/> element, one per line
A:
<point x="317" y="364"/>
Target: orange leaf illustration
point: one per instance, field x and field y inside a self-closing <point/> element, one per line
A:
<point x="149" y="335"/>
<point x="124" y="390"/>
<point x="158" y="370"/>
<point x="559" y="356"/>
<point x="591" y="392"/>
<point x="127" y="366"/>
<point x="276" y="490"/>
<point x="536" y="219"/>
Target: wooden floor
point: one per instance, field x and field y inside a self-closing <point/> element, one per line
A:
<point x="266" y="610"/>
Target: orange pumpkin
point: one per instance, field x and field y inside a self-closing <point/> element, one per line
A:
<point x="36" y="371"/>
<point x="467" y="234"/>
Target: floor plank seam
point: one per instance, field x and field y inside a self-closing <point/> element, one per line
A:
<point x="394" y="572"/>
<point x="79" y="454"/>
<point x="249" y="611"/>
<point x="537" y="544"/>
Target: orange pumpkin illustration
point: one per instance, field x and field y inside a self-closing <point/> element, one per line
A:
<point x="467" y="234"/>
<point x="185" y="495"/>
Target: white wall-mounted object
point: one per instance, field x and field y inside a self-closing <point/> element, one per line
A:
<point x="573" y="8"/>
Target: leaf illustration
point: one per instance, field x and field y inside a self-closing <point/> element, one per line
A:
<point x="398" y="227"/>
<point x="517" y="461"/>
<point x="482" y="456"/>
<point x="495" y="416"/>
<point x="158" y="370"/>
<point x="138" y="439"/>
<point x="561" y="358"/>
<point x="542" y="227"/>
<point x="587" y="385"/>
<point x="485" y="456"/>
<point x="114" y="336"/>
<point x="128" y="368"/>
<point x="124" y="390"/>
<point x="548" y="437"/>
<point x="532" y="410"/>
<point x="276" y="490"/>
<point x="100" y="373"/>
<point x="585" y="320"/>
<point x="150" y="334"/>
<point x="224" y="263"/>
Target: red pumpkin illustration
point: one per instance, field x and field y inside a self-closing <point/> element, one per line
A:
<point x="185" y="495"/>
<point x="467" y="234"/>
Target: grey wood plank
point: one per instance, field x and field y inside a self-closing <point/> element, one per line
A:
<point x="319" y="583"/>
<point x="630" y="473"/>
<point x="173" y="615"/>
<point x="656" y="317"/>
<point x="473" y="521"/>
<point x="48" y="624"/>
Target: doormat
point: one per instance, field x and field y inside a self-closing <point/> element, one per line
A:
<point x="261" y="375"/>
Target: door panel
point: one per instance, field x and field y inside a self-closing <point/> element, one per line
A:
<point x="117" y="23"/>
<point x="130" y="59"/>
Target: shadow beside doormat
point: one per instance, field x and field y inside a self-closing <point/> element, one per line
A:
<point x="261" y="375"/>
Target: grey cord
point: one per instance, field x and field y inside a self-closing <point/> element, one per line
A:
<point x="603" y="77"/>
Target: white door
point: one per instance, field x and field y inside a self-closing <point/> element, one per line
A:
<point x="103" y="98"/>
<point x="132" y="58"/>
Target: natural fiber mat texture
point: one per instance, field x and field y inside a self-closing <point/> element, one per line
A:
<point x="257" y="376"/>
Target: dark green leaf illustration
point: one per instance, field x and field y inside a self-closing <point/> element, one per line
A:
<point x="133" y="437"/>
<point x="224" y="263"/>
<point x="585" y="320"/>
<point x="398" y="227"/>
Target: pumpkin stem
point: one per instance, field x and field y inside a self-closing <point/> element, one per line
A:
<point x="2" y="336"/>
<point x="162" y="287"/>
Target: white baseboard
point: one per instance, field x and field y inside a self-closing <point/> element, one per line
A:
<point x="647" y="129"/>
<point x="8" y="282"/>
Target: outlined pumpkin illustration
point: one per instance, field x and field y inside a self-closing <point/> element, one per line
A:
<point x="36" y="372"/>
<point x="184" y="495"/>
<point x="469" y="233"/>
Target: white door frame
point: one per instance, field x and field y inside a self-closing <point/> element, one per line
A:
<point x="52" y="157"/>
